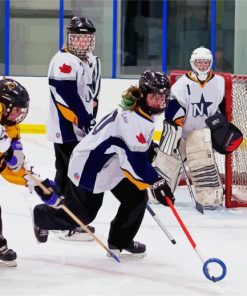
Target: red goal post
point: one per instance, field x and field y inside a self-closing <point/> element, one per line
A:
<point x="232" y="167"/>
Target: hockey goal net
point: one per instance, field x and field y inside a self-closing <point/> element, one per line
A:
<point x="232" y="167"/>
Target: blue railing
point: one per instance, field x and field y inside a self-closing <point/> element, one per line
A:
<point x="61" y="17"/>
<point x="213" y="29"/>
<point x="164" y="36"/>
<point x="6" y="37"/>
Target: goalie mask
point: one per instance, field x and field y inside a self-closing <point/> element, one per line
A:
<point x="155" y="87"/>
<point x="14" y="100"/>
<point x="80" y="36"/>
<point x="201" y="62"/>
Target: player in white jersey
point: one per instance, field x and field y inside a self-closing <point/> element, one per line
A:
<point x="74" y="81"/>
<point x="195" y="97"/>
<point x="113" y="156"/>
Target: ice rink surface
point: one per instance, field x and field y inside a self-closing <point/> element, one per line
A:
<point x="82" y="268"/>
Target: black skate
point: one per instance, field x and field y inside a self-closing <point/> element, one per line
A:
<point x="7" y="256"/>
<point x="41" y="234"/>
<point x="77" y="234"/>
<point x="135" y="249"/>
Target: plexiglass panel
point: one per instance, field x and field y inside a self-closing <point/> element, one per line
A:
<point x="141" y="36"/>
<point x="34" y="33"/>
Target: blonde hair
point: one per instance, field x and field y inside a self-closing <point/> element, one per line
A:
<point x="130" y="98"/>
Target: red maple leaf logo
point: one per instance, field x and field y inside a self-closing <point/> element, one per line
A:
<point x="141" y="138"/>
<point x="65" y="68"/>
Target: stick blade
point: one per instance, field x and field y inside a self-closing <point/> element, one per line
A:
<point x="114" y="256"/>
<point x="199" y="207"/>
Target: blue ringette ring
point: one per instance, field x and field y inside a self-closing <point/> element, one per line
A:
<point x="206" y="272"/>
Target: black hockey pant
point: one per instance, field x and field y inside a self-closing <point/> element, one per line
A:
<point x="85" y="205"/>
<point x="1" y="223"/>
<point x="62" y="154"/>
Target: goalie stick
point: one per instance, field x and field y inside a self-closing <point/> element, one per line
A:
<point x="198" y="206"/>
<point x="73" y="216"/>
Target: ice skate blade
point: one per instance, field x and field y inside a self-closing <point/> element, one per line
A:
<point x="126" y="255"/>
<point x="78" y="237"/>
<point x="8" y="263"/>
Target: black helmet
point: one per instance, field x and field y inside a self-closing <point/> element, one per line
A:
<point x="158" y="82"/>
<point x="81" y="25"/>
<point x="14" y="99"/>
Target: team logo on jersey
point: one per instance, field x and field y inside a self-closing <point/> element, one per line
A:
<point x="65" y="68"/>
<point x="76" y="176"/>
<point x="141" y="138"/>
<point x="201" y="108"/>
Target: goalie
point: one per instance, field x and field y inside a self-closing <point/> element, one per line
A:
<point x="193" y="127"/>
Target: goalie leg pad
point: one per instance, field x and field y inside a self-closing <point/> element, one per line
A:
<point x="203" y="169"/>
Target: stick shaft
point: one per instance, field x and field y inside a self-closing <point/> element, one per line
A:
<point x="198" y="206"/>
<point x="161" y="225"/>
<point x="83" y="226"/>
<point x="180" y="222"/>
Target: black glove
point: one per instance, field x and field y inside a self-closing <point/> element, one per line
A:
<point x="160" y="189"/>
<point x="52" y="199"/>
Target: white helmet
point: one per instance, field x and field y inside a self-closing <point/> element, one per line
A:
<point x="201" y="53"/>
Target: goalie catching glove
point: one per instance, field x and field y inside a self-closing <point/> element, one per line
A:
<point x="160" y="189"/>
<point x="226" y="137"/>
<point x="51" y="199"/>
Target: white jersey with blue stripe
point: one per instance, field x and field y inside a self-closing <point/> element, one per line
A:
<point x="114" y="149"/>
<point x="74" y="84"/>
<point x="193" y="101"/>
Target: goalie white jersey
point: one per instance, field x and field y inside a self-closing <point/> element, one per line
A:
<point x="74" y="84"/>
<point x="193" y="101"/>
<point x="115" y="148"/>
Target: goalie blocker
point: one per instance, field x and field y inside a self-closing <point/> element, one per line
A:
<point x="226" y="137"/>
<point x="168" y="162"/>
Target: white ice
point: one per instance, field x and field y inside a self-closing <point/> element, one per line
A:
<point x="76" y="268"/>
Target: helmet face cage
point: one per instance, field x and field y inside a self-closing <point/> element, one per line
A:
<point x="81" y="44"/>
<point x="15" y="102"/>
<point x="80" y="36"/>
<point x="201" y="53"/>
<point x="156" y="83"/>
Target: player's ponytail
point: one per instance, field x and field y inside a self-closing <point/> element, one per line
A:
<point x="130" y="98"/>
